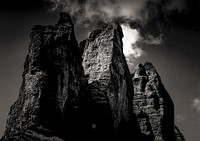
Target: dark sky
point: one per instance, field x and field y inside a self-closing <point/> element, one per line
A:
<point x="177" y="59"/>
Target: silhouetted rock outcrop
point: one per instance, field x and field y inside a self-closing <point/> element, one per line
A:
<point x="48" y="106"/>
<point x="86" y="91"/>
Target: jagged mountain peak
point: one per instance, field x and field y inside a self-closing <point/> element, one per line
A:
<point x="106" y="28"/>
<point x="87" y="92"/>
<point x="144" y="68"/>
<point x="153" y="105"/>
<point x="65" y="19"/>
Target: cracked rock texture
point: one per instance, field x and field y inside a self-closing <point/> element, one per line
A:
<point x="153" y="106"/>
<point x="86" y="92"/>
<point x="109" y="81"/>
<point x="48" y="106"/>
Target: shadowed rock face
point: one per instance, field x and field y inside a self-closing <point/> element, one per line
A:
<point x="49" y="102"/>
<point x="153" y="106"/>
<point x="86" y="92"/>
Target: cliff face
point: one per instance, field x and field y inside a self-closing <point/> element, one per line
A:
<point x="86" y="91"/>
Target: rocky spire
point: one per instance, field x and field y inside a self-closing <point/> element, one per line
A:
<point x="109" y="82"/>
<point x="153" y="106"/>
<point x="48" y="106"/>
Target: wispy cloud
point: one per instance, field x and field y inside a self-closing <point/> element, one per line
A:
<point x="196" y="104"/>
<point x="178" y="5"/>
<point x="180" y="118"/>
<point x="152" y="40"/>
<point x="106" y="10"/>
<point x="132" y="43"/>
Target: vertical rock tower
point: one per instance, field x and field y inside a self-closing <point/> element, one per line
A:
<point x="48" y="106"/>
<point x="109" y="82"/>
<point x="153" y="106"/>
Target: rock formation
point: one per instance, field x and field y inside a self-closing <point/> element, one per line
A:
<point x="109" y="82"/>
<point x="49" y="100"/>
<point x="153" y="106"/>
<point x="70" y="92"/>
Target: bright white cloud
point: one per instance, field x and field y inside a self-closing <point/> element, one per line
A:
<point x="130" y="48"/>
<point x="196" y="104"/>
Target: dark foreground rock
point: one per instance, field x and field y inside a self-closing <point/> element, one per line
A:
<point x="86" y="92"/>
<point x="48" y="107"/>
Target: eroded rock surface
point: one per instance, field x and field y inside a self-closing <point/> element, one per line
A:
<point x="48" y="107"/>
<point x="153" y="106"/>
<point x="109" y="82"/>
